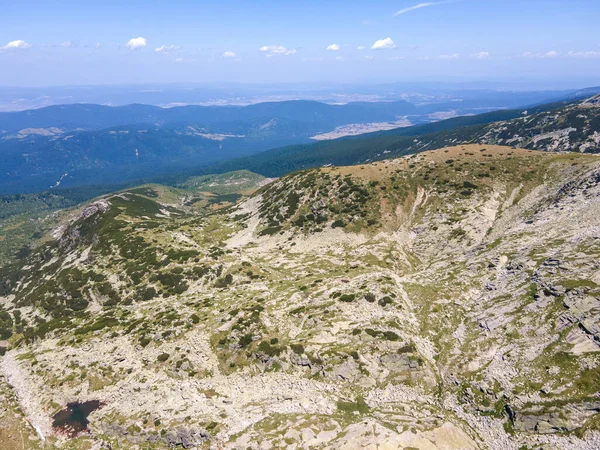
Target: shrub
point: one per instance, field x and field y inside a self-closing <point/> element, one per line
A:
<point x="6" y="323"/>
<point x="408" y="348"/>
<point x="162" y="357"/>
<point x="147" y="294"/>
<point x="269" y="231"/>
<point x="371" y="332"/>
<point x="144" y="341"/>
<point x="339" y="223"/>
<point x="370" y="297"/>
<point x="195" y="318"/>
<point x="224" y="281"/>
<point x="390" y="336"/>
<point x="268" y="349"/>
<point x="245" y="340"/>
<point x="384" y="301"/>
<point x="347" y="298"/>
<point x="297" y="348"/>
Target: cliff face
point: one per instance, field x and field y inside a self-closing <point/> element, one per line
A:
<point x="447" y="300"/>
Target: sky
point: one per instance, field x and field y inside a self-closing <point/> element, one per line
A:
<point x="45" y="43"/>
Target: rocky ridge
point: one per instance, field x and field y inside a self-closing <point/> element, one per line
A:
<point x="446" y="300"/>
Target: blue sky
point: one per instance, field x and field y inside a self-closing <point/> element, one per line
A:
<point x="85" y="42"/>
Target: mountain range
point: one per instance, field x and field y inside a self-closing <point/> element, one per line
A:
<point x="433" y="287"/>
<point x="83" y="144"/>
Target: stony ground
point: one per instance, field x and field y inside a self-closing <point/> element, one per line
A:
<point x="448" y="300"/>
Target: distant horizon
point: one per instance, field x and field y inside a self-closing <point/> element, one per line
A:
<point x="79" y="43"/>
<point x="475" y="84"/>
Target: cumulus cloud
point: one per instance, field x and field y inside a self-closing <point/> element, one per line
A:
<point x="369" y="58"/>
<point x="16" y="45"/>
<point x="361" y="47"/>
<point x="551" y="54"/>
<point x="333" y="47"/>
<point x="166" y="49"/>
<point x="136" y="43"/>
<point x="482" y="55"/>
<point x="395" y="58"/>
<point x="272" y="50"/>
<point x="67" y="44"/>
<point x="383" y="44"/>
<point x="229" y="55"/>
<point x="98" y="45"/>
<point x="423" y="5"/>
<point x="339" y="58"/>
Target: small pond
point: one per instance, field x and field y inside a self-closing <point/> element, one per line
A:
<point x="72" y="420"/>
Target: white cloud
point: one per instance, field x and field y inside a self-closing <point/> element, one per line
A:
<point x="67" y="44"/>
<point x="423" y="5"/>
<point x="136" y="43"/>
<point x="361" y="47"/>
<point x="333" y="47"/>
<point x="98" y="45"/>
<point x="550" y="54"/>
<point x="395" y="58"/>
<point x="383" y="44"/>
<point x="589" y="54"/>
<point x="448" y="57"/>
<point x="482" y="55"/>
<point x="339" y="58"/>
<point x="272" y="50"/>
<point x="18" y="44"/>
<point x="166" y="49"/>
<point x="229" y="55"/>
<point x="178" y="60"/>
<point x="369" y="58"/>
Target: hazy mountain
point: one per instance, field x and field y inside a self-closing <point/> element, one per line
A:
<point x="95" y="117"/>
<point x="564" y="126"/>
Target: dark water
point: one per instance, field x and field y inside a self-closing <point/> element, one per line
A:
<point x="72" y="420"/>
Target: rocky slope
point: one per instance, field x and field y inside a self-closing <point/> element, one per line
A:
<point x="446" y="300"/>
<point x="573" y="127"/>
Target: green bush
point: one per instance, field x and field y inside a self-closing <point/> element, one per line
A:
<point x="162" y="357"/>
<point x="384" y="301"/>
<point x="268" y="349"/>
<point x="347" y="298"/>
<point x="390" y="336"/>
<point x="297" y="348"/>
<point x="6" y="324"/>
<point x="245" y="340"/>
<point x="224" y="281"/>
